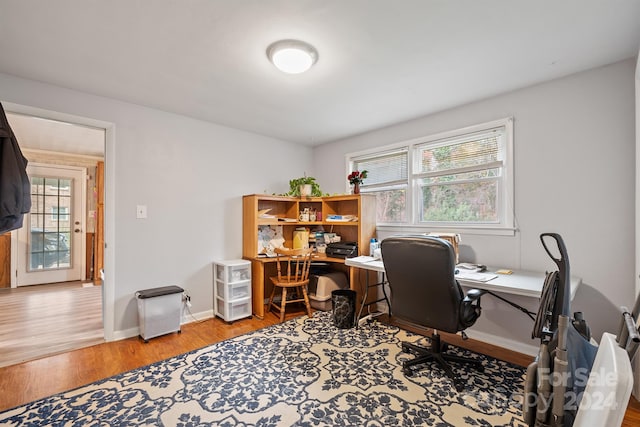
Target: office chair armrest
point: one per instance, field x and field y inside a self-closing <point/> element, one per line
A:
<point x="470" y="308"/>
<point x="473" y="295"/>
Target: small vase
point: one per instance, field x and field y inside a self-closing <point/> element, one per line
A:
<point x="356" y="188"/>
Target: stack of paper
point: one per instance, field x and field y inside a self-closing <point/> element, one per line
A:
<point x="477" y="277"/>
<point x="363" y="258"/>
<point x="264" y="215"/>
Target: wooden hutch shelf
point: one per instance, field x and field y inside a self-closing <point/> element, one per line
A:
<point x="286" y="211"/>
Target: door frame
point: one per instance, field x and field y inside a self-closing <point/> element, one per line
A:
<point x="108" y="285"/>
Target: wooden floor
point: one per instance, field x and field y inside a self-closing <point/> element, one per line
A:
<point x="35" y="379"/>
<point x="47" y="319"/>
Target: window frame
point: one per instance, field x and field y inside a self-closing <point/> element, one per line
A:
<point x="505" y="225"/>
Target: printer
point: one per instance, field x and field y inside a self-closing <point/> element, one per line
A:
<point x="342" y="250"/>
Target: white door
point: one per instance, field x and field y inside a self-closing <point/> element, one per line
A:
<point x="51" y="241"/>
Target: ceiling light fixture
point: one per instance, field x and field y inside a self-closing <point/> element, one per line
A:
<point x="292" y="56"/>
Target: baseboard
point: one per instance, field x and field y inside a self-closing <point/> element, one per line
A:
<point x="196" y="317"/>
<point x="509" y="344"/>
<point x="518" y="346"/>
<point x="135" y="331"/>
<point x="635" y="365"/>
<point x="127" y="333"/>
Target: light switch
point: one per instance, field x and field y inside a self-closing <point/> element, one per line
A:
<point x="141" y="211"/>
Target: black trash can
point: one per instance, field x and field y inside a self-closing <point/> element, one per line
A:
<point x="343" y="302"/>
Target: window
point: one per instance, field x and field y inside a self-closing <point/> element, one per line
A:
<point x="60" y="212"/>
<point x="387" y="176"/>
<point x="456" y="180"/>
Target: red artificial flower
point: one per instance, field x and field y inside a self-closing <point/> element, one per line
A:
<point x="357" y="177"/>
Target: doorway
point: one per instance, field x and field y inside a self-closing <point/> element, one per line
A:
<point x="64" y="158"/>
<point x="51" y="243"/>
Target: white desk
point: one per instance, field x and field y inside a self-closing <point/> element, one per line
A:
<point x="520" y="282"/>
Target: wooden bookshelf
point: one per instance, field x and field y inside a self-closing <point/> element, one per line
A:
<point x="361" y="206"/>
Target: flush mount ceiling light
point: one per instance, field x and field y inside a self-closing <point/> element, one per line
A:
<point x="292" y="56"/>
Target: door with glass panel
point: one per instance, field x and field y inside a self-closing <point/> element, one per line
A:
<point x="51" y="241"/>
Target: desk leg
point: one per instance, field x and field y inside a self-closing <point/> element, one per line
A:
<point x="257" y="288"/>
<point x="354" y="283"/>
<point x="364" y="300"/>
<point x="352" y="278"/>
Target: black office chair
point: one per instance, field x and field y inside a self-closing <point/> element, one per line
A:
<point x="424" y="291"/>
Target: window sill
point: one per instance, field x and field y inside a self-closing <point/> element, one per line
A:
<point x="480" y="230"/>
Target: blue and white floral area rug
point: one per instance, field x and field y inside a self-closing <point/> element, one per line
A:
<point x="304" y="372"/>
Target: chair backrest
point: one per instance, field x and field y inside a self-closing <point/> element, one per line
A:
<point x="421" y="274"/>
<point x="293" y="265"/>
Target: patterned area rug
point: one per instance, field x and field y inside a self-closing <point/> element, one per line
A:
<point x="304" y="372"/>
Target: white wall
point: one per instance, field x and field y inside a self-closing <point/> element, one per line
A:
<point x="574" y="174"/>
<point x="191" y="175"/>
<point x="637" y="193"/>
<point x="636" y="364"/>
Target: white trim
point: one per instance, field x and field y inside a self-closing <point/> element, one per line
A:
<point x="506" y="187"/>
<point x="637" y="204"/>
<point x="108" y="287"/>
<point x="197" y="317"/>
<point x="135" y="331"/>
<point x="14" y="259"/>
<point x="41" y="113"/>
<point x="480" y="229"/>
<point x="467" y="130"/>
<point x="531" y="350"/>
<point x="124" y="334"/>
<point x="79" y="157"/>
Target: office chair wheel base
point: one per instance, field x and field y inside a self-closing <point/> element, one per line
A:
<point x="408" y="372"/>
<point x="459" y="386"/>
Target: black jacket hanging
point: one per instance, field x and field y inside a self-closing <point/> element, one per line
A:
<point x="15" y="188"/>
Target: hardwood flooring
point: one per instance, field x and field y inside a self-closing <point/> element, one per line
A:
<point x="35" y="379"/>
<point x="41" y="320"/>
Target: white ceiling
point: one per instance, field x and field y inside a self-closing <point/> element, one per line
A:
<point x="380" y="62"/>
<point x="52" y="135"/>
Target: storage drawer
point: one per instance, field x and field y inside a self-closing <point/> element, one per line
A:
<point x="233" y="310"/>
<point x="233" y="291"/>
<point x="239" y="290"/>
<point x="233" y="273"/>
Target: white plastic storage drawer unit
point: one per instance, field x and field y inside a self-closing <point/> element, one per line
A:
<point x="159" y="311"/>
<point x="232" y="289"/>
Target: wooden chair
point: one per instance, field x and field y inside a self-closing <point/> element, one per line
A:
<point x="293" y="273"/>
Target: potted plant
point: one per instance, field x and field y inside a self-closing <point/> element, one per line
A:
<point x="304" y="187"/>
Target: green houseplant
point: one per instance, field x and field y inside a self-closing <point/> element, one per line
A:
<point x="304" y="186"/>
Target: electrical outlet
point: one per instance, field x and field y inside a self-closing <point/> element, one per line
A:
<point x="186" y="298"/>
